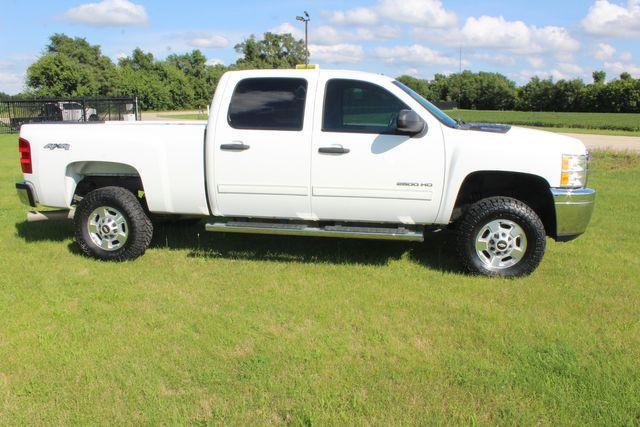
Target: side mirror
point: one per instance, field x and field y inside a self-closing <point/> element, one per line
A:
<point x="410" y="123"/>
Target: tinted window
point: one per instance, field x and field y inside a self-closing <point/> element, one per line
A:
<point x="357" y="106"/>
<point x="268" y="103"/>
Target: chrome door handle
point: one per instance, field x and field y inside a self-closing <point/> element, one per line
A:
<point x="235" y="147"/>
<point x="335" y="149"/>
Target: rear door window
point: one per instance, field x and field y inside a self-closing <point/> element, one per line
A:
<point x="268" y="104"/>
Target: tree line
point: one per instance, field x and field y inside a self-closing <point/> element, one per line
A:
<point x="72" y="67"/>
<point x="493" y="91"/>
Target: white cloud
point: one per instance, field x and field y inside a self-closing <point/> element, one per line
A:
<point x="415" y="54"/>
<point x="412" y="71"/>
<point x="215" y="61"/>
<point x="516" y="36"/>
<point x="495" y="59"/>
<point x="339" y="53"/>
<point x="109" y="13"/>
<point x="425" y="13"/>
<point x="497" y="33"/>
<point x="384" y="32"/>
<point x="612" y="20"/>
<point x="535" y="61"/>
<point x="287" y="27"/>
<point x="603" y="51"/>
<point x="626" y="57"/>
<point x="357" y="16"/>
<point x="570" y="68"/>
<point x="328" y="35"/>
<point x="205" y="41"/>
<point x="11" y="83"/>
<point x="618" y="68"/>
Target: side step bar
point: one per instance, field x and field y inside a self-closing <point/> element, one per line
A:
<point x="352" y="232"/>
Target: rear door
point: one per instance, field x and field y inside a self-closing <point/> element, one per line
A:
<point x="262" y="147"/>
<point x="362" y="169"/>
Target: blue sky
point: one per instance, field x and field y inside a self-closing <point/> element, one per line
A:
<point x="558" y="39"/>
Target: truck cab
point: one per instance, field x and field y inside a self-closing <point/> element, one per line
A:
<point x="318" y="153"/>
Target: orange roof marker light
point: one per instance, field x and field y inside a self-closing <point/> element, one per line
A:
<point x="307" y="67"/>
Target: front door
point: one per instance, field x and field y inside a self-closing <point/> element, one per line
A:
<point x="261" y="151"/>
<point x="362" y="168"/>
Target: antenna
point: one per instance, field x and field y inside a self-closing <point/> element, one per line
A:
<point x="460" y="80"/>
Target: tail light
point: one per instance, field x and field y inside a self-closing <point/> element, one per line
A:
<point x="25" y="155"/>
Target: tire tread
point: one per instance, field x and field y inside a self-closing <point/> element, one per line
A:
<point x="140" y="226"/>
<point x="510" y="207"/>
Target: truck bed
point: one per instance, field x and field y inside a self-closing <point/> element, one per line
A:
<point x="168" y="157"/>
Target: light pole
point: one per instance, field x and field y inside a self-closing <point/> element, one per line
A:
<point x="306" y="20"/>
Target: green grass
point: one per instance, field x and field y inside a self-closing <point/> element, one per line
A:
<point x="605" y="123"/>
<point x="210" y="328"/>
<point x="184" y="116"/>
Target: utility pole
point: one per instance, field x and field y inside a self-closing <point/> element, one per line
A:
<point x="306" y="20"/>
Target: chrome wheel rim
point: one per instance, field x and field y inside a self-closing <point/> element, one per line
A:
<point x="108" y="228"/>
<point x="501" y="244"/>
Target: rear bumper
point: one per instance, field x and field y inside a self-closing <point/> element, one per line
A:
<point x="26" y="193"/>
<point x="573" y="211"/>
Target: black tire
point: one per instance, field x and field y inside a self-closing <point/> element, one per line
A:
<point x="500" y="208"/>
<point x="138" y="224"/>
<point x="94" y="118"/>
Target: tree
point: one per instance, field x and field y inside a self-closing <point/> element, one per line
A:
<point x="423" y="87"/>
<point x="72" y="67"/>
<point x="599" y="77"/>
<point x="486" y="91"/>
<point x="273" y="51"/>
<point x="159" y="85"/>
<point x="203" y="78"/>
<point x="625" y="76"/>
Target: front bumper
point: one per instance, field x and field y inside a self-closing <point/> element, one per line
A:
<point x="573" y="211"/>
<point x="26" y="193"/>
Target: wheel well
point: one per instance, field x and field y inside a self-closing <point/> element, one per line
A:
<point x="530" y="189"/>
<point x="90" y="176"/>
<point x="90" y="183"/>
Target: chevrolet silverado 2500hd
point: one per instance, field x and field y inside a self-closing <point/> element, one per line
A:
<point x="315" y="153"/>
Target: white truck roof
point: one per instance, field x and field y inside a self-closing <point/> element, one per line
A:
<point x="345" y="74"/>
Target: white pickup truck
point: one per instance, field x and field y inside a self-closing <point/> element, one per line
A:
<point x="315" y="153"/>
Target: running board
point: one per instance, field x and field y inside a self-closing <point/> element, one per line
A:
<point x="350" y="232"/>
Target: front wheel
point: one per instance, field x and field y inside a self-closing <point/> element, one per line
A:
<point x="501" y="236"/>
<point x="111" y="225"/>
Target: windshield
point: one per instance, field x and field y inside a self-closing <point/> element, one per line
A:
<point x="439" y="114"/>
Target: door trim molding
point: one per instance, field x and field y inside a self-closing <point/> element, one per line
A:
<point x="373" y="193"/>
<point x="274" y="190"/>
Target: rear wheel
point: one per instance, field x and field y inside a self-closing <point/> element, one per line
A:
<point x="110" y="224"/>
<point x="501" y="236"/>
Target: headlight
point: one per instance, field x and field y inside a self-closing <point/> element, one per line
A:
<point x="574" y="171"/>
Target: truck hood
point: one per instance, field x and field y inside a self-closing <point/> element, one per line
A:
<point x="538" y="139"/>
<point x="525" y="138"/>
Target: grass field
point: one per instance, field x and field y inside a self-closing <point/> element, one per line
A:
<point x="184" y="116"/>
<point x="225" y="329"/>
<point x="605" y="123"/>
